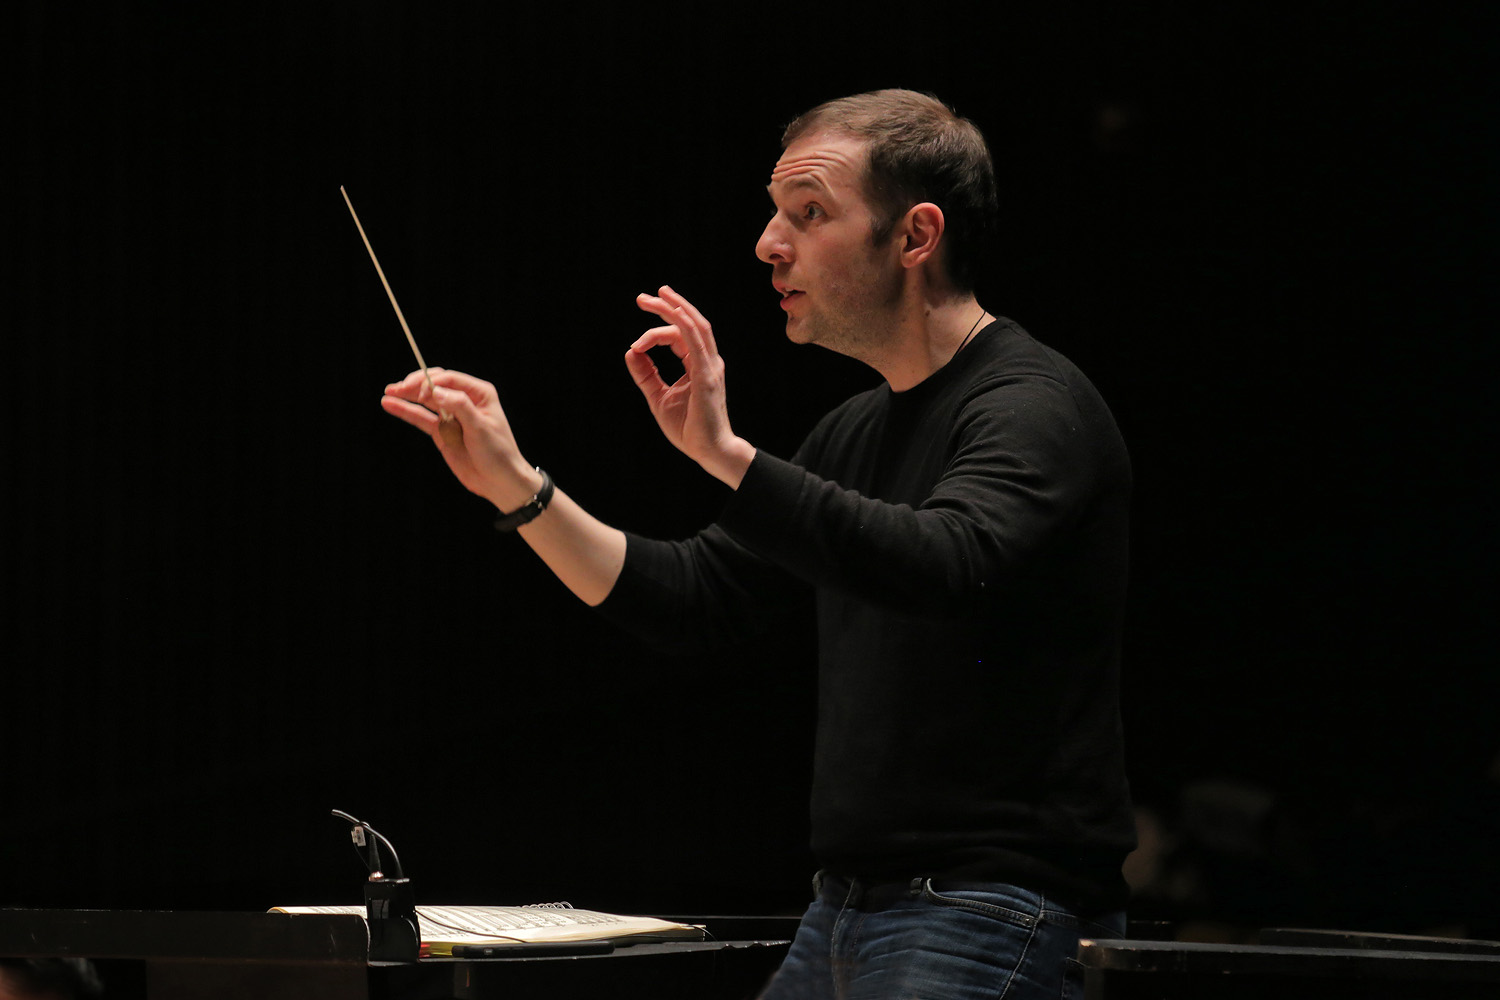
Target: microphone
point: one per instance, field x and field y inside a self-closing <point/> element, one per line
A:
<point x="390" y="901"/>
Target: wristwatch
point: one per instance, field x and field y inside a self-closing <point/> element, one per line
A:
<point x="530" y="510"/>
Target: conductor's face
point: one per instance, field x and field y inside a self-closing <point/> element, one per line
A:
<point x="838" y="289"/>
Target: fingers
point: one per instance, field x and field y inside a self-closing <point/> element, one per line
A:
<point x="419" y="417"/>
<point x="682" y="314"/>
<point x="427" y="408"/>
<point x="411" y="383"/>
<point x="450" y="393"/>
<point x="668" y="336"/>
<point x="449" y="402"/>
<point x="644" y="371"/>
<point x="477" y="389"/>
<point x="701" y="325"/>
<point x="414" y="386"/>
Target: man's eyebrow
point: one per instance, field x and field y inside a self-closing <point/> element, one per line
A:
<point x="796" y="181"/>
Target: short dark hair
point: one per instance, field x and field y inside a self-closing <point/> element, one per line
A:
<point x="918" y="149"/>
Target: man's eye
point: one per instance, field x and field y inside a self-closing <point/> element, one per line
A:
<point x="812" y="212"/>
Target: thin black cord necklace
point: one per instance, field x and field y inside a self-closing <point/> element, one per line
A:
<point x="982" y="314"/>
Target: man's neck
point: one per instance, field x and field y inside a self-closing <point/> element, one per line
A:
<point x="926" y="337"/>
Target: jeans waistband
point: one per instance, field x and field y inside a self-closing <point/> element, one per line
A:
<point x="854" y="891"/>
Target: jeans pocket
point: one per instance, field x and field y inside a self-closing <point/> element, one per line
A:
<point x="991" y="904"/>
<point x="1072" y="980"/>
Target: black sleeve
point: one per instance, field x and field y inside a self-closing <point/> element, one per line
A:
<point x="1021" y="471"/>
<point x="700" y="593"/>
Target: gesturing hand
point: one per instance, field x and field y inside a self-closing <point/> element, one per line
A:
<point x="476" y="442"/>
<point x="692" y="411"/>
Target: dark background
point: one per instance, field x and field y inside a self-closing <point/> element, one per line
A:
<point x="241" y="595"/>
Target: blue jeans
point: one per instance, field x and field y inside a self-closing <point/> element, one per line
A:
<point x="927" y="940"/>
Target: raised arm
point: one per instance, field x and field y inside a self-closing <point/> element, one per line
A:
<point x="475" y="440"/>
<point x="585" y="553"/>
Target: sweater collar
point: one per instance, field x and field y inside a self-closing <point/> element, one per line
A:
<point x="980" y="347"/>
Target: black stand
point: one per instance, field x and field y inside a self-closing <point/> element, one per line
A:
<point x="1180" y="970"/>
<point x="297" y="956"/>
<point x="395" y="934"/>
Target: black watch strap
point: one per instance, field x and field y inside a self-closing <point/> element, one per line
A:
<point x="529" y="510"/>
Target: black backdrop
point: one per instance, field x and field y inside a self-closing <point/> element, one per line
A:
<point x="241" y="595"/>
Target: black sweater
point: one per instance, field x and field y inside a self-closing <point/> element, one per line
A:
<point x="965" y="542"/>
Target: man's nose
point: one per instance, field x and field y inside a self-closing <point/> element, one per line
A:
<point x="772" y="246"/>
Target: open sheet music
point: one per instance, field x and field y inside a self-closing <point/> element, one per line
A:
<point x="443" y="927"/>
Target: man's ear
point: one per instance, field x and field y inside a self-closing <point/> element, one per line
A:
<point x="921" y="231"/>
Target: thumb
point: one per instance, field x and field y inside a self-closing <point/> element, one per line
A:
<point x="448" y="403"/>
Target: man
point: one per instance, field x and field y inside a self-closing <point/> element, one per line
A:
<point x="962" y="530"/>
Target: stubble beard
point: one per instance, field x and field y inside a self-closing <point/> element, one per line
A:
<point x="854" y="318"/>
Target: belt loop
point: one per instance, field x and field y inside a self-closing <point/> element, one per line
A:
<point x="917" y="885"/>
<point x="818" y="883"/>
